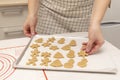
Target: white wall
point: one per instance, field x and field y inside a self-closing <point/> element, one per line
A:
<point x="113" y="13"/>
<point x="111" y="32"/>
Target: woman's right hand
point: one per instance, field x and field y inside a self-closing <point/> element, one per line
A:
<point x="30" y="25"/>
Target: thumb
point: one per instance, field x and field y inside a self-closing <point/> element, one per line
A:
<point x="89" y="46"/>
<point x="32" y="28"/>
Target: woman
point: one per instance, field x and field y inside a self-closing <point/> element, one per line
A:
<point x="62" y="16"/>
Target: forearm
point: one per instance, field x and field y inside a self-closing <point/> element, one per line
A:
<point x="33" y="6"/>
<point x="99" y="9"/>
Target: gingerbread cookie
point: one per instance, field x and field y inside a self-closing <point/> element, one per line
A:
<point x="34" y="46"/>
<point x="35" y="50"/>
<point x="32" y="61"/>
<point x="82" y="53"/>
<point x="47" y="44"/>
<point x="45" y="61"/>
<point x="45" y="54"/>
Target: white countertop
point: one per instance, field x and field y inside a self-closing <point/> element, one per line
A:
<point x="10" y="45"/>
<point x="13" y="2"/>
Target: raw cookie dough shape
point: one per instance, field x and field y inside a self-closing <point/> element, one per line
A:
<point x="71" y="61"/>
<point x="61" y="41"/>
<point x="45" y="61"/>
<point x="71" y="54"/>
<point x="82" y="63"/>
<point x="72" y="43"/>
<point x="66" y="47"/>
<point x="69" y="64"/>
<point x="47" y="44"/>
<point x="56" y="63"/>
<point x="82" y="53"/>
<point x="58" y="55"/>
<point x="40" y="40"/>
<point x="35" y="52"/>
<point x="53" y="48"/>
<point x="84" y="60"/>
<point x="32" y="61"/>
<point x="34" y="46"/>
<point x="45" y="54"/>
<point x="52" y="39"/>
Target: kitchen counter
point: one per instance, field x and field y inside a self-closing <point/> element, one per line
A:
<point x="13" y="2"/>
<point x="15" y="46"/>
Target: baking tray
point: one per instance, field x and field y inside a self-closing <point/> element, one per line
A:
<point x="98" y="63"/>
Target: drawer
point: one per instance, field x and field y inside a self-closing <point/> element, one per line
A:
<point x="11" y="32"/>
<point x="12" y="16"/>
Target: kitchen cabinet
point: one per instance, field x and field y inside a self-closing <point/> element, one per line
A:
<point x="11" y="21"/>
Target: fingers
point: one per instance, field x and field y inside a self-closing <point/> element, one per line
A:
<point x="29" y="26"/>
<point x="84" y="44"/>
<point x="83" y="47"/>
<point x="32" y="30"/>
<point x="89" y="46"/>
<point x="94" y="47"/>
<point x="29" y="31"/>
<point x="26" y="30"/>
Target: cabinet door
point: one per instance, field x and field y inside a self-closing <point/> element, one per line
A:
<point x="1" y="34"/>
<point x="11" y="21"/>
<point x="12" y="16"/>
<point x="14" y="32"/>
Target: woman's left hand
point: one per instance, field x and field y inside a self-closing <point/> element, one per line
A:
<point x="96" y="39"/>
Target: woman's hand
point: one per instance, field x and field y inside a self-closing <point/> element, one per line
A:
<point x="30" y="25"/>
<point x="96" y="39"/>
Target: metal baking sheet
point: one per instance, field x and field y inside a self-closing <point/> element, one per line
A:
<point x="99" y="62"/>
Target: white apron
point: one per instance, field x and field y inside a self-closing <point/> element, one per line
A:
<point x="64" y="16"/>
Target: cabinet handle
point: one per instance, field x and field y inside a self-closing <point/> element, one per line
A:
<point x="13" y="32"/>
<point x="9" y="12"/>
